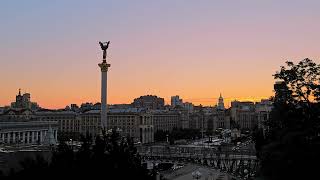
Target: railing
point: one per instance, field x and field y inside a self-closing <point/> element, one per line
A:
<point x="194" y="152"/>
<point x="243" y="164"/>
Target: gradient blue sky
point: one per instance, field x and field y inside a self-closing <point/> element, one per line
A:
<point x="195" y="49"/>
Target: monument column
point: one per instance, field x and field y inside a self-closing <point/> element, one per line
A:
<point x="104" y="77"/>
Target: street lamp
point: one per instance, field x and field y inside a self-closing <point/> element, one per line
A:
<point x="71" y="144"/>
<point x="167" y="138"/>
<point x="196" y="175"/>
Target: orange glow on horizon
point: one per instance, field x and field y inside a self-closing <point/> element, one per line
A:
<point x="66" y="101"/>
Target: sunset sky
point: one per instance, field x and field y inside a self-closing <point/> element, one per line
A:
<point x="195" y="49"/>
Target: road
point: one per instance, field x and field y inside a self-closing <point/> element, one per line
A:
<point x="185" y="173"/>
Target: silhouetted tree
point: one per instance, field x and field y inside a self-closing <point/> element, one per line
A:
<point x="292" y="144"/>
<point x="258" y="139"/>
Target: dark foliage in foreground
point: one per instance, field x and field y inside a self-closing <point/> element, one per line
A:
<point x="290" y="148"/>
<point x="109" y="158"/>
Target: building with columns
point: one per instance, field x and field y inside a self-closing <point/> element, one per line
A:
<point x="23" y="127"/>
<point x="25" y="132"/>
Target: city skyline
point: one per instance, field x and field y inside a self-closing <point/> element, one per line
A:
<point x="194" y="50"/>
<point x="211" y="102"/>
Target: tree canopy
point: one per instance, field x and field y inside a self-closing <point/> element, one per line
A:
<point x="290" y="148"/>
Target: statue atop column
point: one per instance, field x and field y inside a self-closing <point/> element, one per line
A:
<point x="104" y="46"/>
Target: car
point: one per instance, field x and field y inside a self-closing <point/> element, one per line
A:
<point x="137" y="143"/>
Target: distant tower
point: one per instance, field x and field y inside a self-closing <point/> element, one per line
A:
<point x="221" y="103"/>
<point x="176" y="101"/>
<point x="18" y="100"/>
<point x="104" y="69"/>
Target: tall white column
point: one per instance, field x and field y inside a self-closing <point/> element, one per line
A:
<point x="104" y="99"/>
<point x="104" y="70"/>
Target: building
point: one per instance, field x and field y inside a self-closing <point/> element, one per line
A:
<point x="148" y="102"/>
<point x="86" y="106"/>
<point x="74" y="107"/>
<point x="184" y="119"/>
<point x="188" y="106"/>
<point x="246" y="119"/>
<point x="249" y="115"/>
<point x="18" y="113"/>
<point x="24" y="102"/>
<point x="176" y="101"/>
<point x="27" y="132"/>
<point x="120" y="106"/>
<point x="136" y="123"/>
<point x="22" y="131"/>
<point x="218" y="119"/>
<point x="166" y="120"/>
<point x="263" y="110"/>
<point x="68" y="122"/>
<point x="2" y="109"/>
<point x="199" y="120"/>
<point x="243" y="114"/>
<point x="221" y="119"/>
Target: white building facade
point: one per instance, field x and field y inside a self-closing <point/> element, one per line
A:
<point x="17" y="132"/>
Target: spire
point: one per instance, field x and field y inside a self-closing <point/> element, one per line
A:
<point x="220" y="103"/>
<point x="19" y="92"/>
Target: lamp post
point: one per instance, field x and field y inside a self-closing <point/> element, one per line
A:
<point x="202" y="118"/>
<point x="196" y="175"/>
<point x="71" y="144"/>
<point x="167" y="138"/>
